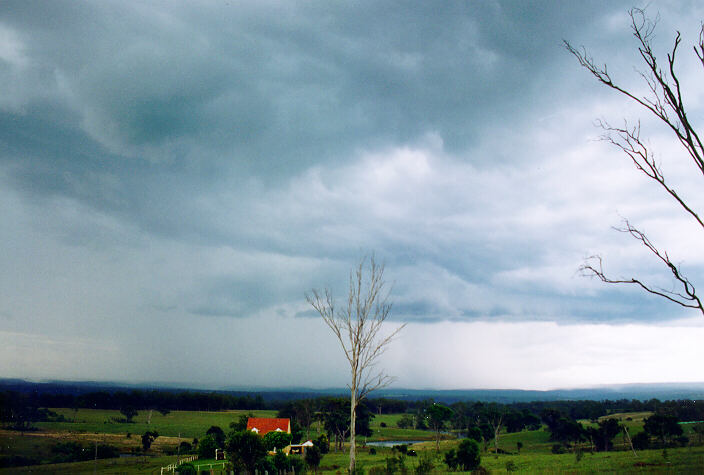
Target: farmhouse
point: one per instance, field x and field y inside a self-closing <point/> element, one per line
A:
<point x="264" y="425"/>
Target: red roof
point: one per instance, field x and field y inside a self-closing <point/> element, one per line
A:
<point x="264" y="425"/>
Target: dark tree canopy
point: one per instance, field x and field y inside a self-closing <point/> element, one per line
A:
<point x="468" y="457"/>
<point x="147" y="439"/>
<point x="245" y="449"/>
<point x="217" y="434"/>
<point x="663" y="427"/>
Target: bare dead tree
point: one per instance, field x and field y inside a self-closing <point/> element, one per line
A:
<point x="357" y="326"/>
<point x="666" y="103"/>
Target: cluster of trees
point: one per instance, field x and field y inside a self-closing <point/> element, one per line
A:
<point x="661" y="429"/>
<point x="332" y="413"/>
<point x="248" y="451"/>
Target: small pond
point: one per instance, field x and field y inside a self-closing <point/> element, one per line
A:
<point x="391" y="443"/>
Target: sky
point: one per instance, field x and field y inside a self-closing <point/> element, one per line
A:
<point x="175" y="176"/>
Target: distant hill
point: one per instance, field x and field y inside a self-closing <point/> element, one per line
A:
<point x="662" y="391"/>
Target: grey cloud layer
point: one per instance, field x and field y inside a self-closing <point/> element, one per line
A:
<point x="165" y="163"/>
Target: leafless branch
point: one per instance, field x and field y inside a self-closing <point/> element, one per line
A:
<point x="687" y="297"/>
<point x="666" y="103"/>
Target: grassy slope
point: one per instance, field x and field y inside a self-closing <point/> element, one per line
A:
<point x="189" y="424"/>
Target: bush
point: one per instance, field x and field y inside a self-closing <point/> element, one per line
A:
<point x="406" y="422"/>
<point x="281" y="462"/>
<point x="314" y="456"/>
<point x="264" y="465"/>
<point x="65" y="452"/>
<point x="187" y="469"/>
<point x="147" y="438"/>
<point x="451" y="459"/>
<point x="474" y="433"/>
<point x="106" y="451"/>
<point x="402" y="448"/>
<point x="296" y="464"/>
<point x="17" y="461"/>
<point x="468" y="457"/>
<point x="425" y="464"/>
<point x="641" y="441"/>
<point x="558" y="449"/>
<point x="682" y="440"/>
<point x="396" y="464"/>
<point x="245" y="449"/>
<point x="276" y="440"/>
<point x="217" y="434"/>
<point x="206" y="447"/>
<point x="372" y="451"/>
<point x="322" y="443"/>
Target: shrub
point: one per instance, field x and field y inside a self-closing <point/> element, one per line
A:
<point x="218" y="434"/>
<point x="641" y="441"/>
<point x="16" y="461"/>
<point x="468" y="457"/>
<point x="451" y="459"/>
<point x="372" y="451"/>
<point x="425" y="464"/>
<point x="558" y="449"/>
<point x="402" y="448"/>
<point x="147" y="438"/>
<point x="406" y="422"/>
<point x="296" y="464"/>
<point x="206" y="447"/>
<point x="474" y="433"/>
<point x="396" y="464"/>
<point x="682" y="440"/>
<point x="322" y="443"/>
<point x="264" y="465"/>
<point x="281" y="462"/>
<point x="245" y="449"/>
<point x="314" y="456"/>
<point x="65" y="452"/>
<point x="187" y="469"/>
<point x="578" y="455"/>
<point x="276" y="440"/>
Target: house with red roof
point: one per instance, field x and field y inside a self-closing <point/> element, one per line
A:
<point x="264" y="425"/>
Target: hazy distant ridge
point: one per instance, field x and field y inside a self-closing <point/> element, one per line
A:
<point x="645" y="391"/>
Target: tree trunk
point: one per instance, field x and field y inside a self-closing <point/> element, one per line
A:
<point x="353" y="416"/>
<point x="496" y="440"/>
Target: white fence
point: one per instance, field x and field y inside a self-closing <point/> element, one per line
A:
<point x="172" y="467"/>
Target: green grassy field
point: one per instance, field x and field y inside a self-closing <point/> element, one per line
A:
<point x="535" y="455"/>
<point x="189" y="424"/>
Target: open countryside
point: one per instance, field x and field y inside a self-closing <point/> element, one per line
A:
<point x="372" y="237"/>
<point x="532" y="437"/>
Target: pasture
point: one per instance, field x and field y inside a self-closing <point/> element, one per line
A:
<point x="535" y="456"/>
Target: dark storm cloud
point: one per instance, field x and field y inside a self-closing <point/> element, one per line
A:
<point x="276" y="88"/>
<point x="164" y="165"/>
